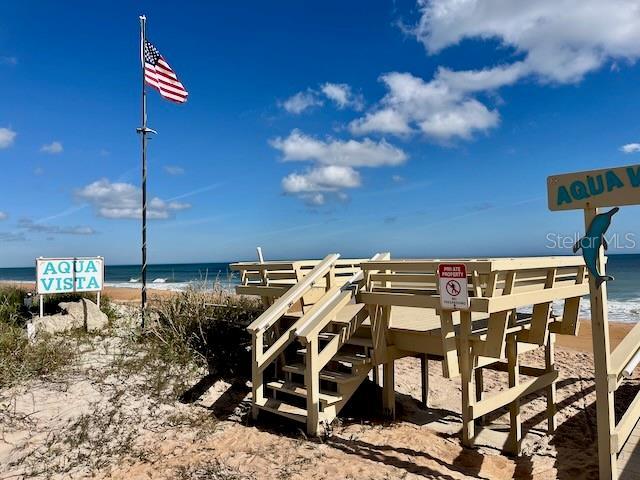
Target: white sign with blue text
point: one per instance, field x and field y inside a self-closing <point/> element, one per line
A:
<point x="66" y="275"/>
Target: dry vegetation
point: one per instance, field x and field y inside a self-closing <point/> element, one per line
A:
<point x="121" y="382"/>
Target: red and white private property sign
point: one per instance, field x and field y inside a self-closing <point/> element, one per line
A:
<point x="452" y="281"/>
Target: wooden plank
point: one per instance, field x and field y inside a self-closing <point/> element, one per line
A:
<point x="404" y="277"/>
<point x="605" y="414"/>
<point x="424" y="266"/>
<point x="515" y="427"/>
<point x="466" y="378"/>
<point x="505" y="397"/>
<point x="418" y="301"/>
<point x="284" y="409"/>
<point x="312" y="384"/>
<point x="424" y="376"/>
<point x="291" y="296"/>
<point x="450" y="366"/>
<point x="594" y="188"/>
<point x="327" y="398"/>
<point x="388" y="389"/>
<point x="516" y="300"/>
<point x="626" y="425"/>
<point x="625" y="351"/>
<point x="260" y="290"/>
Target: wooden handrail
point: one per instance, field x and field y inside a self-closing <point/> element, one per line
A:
<point x="291" y="296"/>
<point x="320" y="317"/>
<point x="625" y="351"/>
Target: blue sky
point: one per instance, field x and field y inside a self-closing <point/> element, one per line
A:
<point x="424" y="129"/>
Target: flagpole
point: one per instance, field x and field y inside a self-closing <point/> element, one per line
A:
<point x="143" y="132"/>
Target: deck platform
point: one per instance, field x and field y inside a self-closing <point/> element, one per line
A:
<point x="354" y="316"/>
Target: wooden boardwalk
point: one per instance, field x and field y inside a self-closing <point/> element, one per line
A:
<point x="629" y="458"/>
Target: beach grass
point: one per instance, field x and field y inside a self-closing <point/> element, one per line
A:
<point x="209" y="326"/>
<point x="21" y="359"/>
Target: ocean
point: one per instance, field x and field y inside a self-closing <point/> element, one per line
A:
<point x="170" y="276"/>
<point x="624" y="291"/>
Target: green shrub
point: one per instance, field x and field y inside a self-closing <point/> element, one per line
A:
<point x="210" y="326"/>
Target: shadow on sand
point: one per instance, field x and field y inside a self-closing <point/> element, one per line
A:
<point x="575" y="439"/>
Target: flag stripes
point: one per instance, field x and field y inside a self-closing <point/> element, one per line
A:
<point x="159" y="75"/>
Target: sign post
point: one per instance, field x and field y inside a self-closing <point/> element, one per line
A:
<point x="590" y="191"/>
<point x="69" y="275"/>
<point x="454" y="290"/>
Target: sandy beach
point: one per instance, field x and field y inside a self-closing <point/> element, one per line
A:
<point x="215" y="437"/>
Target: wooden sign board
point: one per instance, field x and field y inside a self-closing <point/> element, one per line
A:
<point x="595" y="188"/>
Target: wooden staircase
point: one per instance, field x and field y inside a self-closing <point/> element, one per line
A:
<point x="307" y="366"/>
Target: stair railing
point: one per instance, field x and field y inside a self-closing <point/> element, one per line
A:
<point x="307" y="331"/>
<point x="262" y="359"/>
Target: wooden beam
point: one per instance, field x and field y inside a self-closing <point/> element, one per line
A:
<point x="515" y="427"/>
<point x="626" y="425"/>
<point x="424" y="370"/>
<point x="505" y="397"/>
<point x="607" y="460"/>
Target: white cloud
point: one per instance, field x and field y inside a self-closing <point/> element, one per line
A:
<point x="301" y="101"/>
<point x="397" y="178"/>
<point x="8" y="60"/>
<point x="342" y="95"/>
<point x="31" y="226"/>
<point x="53" y="148"/>
<point x="321" y="179"/>
<point x="7" y="137"/>
<point x="366" y="153"/>
<point x="561" y="40"/>
<point x="173" y="170"/>
<point x="122" y="200"/>
<point x="386" y="120"/>
<point x="437" y="108"/>
<point x="38" y="171"/>
<point x="556" y="41"/>
<point x="630" y="148"/>
<point x="3" y="215"/>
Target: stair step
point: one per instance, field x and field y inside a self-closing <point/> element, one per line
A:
<point x="360" y="341"/>
<point x="327" y="336"/>
<point x="352" y="358"/>
<point x="331" y="376"/>
<point x="344" y="355"/>
<point x="281" y="408"/>
<point x="326" y="398"/>
<point x="347" y="313"/>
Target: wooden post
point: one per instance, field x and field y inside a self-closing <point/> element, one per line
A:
<point x="41" y="305"/>
<point x="602" y="361"/>
<point x="312" y="383"/>
<point x="466" y="378"/>
<point x="549" y="362"/>
<point x="388" y="389"/>
<point x="257" y="385"/>
<point x="424" y="369"/>
<point x="515" y="430"/>
<point x="479" y="378"/>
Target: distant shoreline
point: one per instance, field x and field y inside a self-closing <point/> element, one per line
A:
<point x="581" y="342"/>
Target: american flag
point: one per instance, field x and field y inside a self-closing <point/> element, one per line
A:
<point x="159" y="75"/>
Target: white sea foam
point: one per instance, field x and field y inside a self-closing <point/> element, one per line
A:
<point x="170" y="286"/>
<point x="627" y="311"/>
